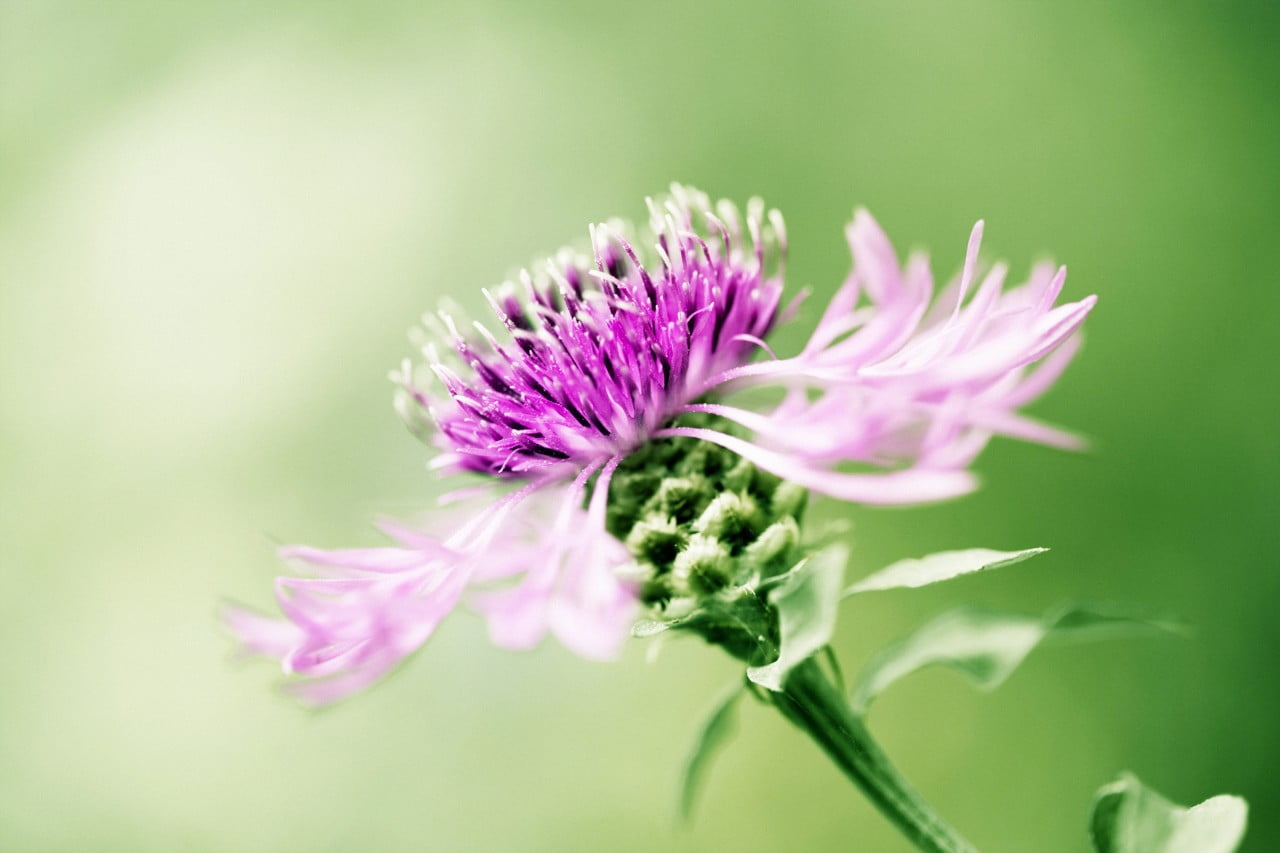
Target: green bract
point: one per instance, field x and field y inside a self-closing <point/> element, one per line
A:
<point x="710" y="534"/>
<point x="806" y="603"/>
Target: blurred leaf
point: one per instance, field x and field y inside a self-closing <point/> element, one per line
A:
<point x="1128" y="817"/>
<point x="987" y="645"/>
<point x="715" y="733"/>
<point x="651" y="627"/>
<point x="808" y="602"/>
<point x="942" y="566"/>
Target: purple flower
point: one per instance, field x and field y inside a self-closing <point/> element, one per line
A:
<point x="888" y="403"/>
<point x="604" y="352"/>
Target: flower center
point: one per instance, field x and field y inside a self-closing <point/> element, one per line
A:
<point x="701" y="521"/>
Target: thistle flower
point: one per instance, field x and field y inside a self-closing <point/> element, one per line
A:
<point x="605" y="352"/>
<point x="638" y="346"/>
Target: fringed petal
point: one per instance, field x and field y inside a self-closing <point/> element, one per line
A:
<point x="571" y="586"/>
<point x="911" y="486"/>
<point x="903" y="384"/>
<point x="345" y="630"/>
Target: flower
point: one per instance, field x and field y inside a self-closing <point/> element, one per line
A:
<point x="607" y="351"/>
<point x="606" y="355"/>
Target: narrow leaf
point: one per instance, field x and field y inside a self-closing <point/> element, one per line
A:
<point x="1128" y="817"/>
<point x="987" y="646"/>
<point x="942" y="566"/>
<point x="644" y="628"/>
<point x="715" y="733"/>
<point x="807" y="604"/>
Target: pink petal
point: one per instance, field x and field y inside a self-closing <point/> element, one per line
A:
<point x="899" y="487"/>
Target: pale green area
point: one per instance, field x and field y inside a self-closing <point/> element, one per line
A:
<point x="217" y="221"/>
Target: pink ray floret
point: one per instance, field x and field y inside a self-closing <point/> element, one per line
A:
<point x="537" y="570"/>
<point x="906" y="387"/>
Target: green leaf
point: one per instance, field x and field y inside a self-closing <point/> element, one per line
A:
<point x="807" y="602"/>
<point x="651" y="627"/>
<point x="987" y="645"/>
<point x="942" y="566"/>
<point x="715" y="733"/>
<point x="1128" y="817"/>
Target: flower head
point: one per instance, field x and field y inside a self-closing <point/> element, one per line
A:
<point x="606" y="358"/>
<point x="604" y="352"/>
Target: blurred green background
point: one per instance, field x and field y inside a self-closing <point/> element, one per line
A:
<point x="217" y="220"/>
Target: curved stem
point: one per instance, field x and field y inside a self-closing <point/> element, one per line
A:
<point x="810" y="702"/>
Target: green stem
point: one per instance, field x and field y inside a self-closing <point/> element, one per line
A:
<point x="810" y="702"/>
